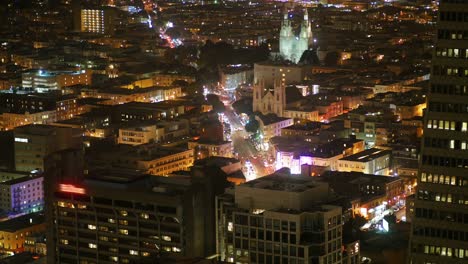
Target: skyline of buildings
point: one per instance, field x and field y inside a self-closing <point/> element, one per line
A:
<point x="233" y="132"/>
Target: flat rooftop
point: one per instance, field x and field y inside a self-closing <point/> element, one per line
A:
<point x="21" y="222"/>
<point x="282" y="180"/>
<point x="367" y="155"/>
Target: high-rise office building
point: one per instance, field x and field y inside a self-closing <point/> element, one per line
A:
<point x="279" y="218"/>
<point x="126" y="217"/>
<point x="35" y="142"/>
<point x="440" y="223"/>
<point x="97" y="20"/>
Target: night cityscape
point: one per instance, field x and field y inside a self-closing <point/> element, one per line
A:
<point x="234" y="131"/>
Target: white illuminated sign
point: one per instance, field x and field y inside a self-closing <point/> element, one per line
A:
<point x="23" y="140"/>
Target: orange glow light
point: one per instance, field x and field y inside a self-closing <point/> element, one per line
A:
<point x="71" y="189"/>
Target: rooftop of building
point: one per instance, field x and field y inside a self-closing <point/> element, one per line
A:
<point x="216" y="161"/>
<point x="282" y="180"/>
<point x="124" y="91"/>
<point x="22" y="179"/>
<point x="21" y="222"/>
<point x="270" y="118"/>
<point x="356" y="178"/>
<point x="36" y="129"/>
<point x="48" y="73"/>
<point x="367" y="155"/>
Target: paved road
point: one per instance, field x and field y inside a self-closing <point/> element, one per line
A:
<point x="244" y="147"/>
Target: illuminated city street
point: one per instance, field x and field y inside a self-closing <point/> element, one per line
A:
<point x="244" y="147"/>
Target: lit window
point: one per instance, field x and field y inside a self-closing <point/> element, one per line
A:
<point x="92" y="227"/>
<point x="166" y="238"/>
<point x="133" y="252"/>
<point x="111" y="220"/>
<point x="64" y="241"/>
<point x="123" y="231"/>
<point x="123" y="213"/>
<point x="91" y="245"/>
<point x="144" y="216"/>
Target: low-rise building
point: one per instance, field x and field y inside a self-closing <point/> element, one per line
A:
<point x="149" y="158"/>
<point x="118" y="96"/>
<point x="44" y="81"/>
<point x="232" y="76"/>
<point x="204" y="148"/>
<point x="22" y="195"/>
<point x="370" y="161"/>
<point x="13" y="232"/>
<point x="270" y="125"/>
<point x="153" y="132"/>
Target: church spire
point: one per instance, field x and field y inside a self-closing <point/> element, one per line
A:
<point x="285" y="13"/>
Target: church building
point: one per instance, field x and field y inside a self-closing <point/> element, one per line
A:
<point x="292" y="47"/>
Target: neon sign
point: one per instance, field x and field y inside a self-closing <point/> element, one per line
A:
<point x="71" y="189"/>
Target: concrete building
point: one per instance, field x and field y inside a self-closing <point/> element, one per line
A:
<point x="34" y="142"/>
<point x="272" y="72"/>
<point x="44" y="81"/>
<point x="22" y="195"/>
<point x="153" y="132"/>
<point x="99" y="21"/>
<point x="440" y="219"/>
<point x="13" y="232"/>
<point x="232" y="76"/>
<point x="279" y="218"/>
<point x="92" y="221"/>
<point x="364" y="186"/>
<point x="271" y="125"/>
<point x="118" y="96"/>
<point x="203" y="149"/>
<point x="370" y="161"/>
<point x="148" y="158"/>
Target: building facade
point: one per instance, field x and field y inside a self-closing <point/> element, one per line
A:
<point x="278" y="219"/>
<point x="44" y="81"/>
<point x="92" y="221"/>
<point x="34" y="142"/>
<point x="440" y="219"/>
<point x="291" y="46"/>
<point x="22" y="195"/>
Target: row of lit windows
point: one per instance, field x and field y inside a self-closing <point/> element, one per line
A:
<point x="452" y="34"/>
<point x="442" y="197"/>
<point x="444" y="161"/>
<point x="449" y="71"/>
<point x="449" y="89"/>
<point x="452" y="53"/>
<point x="447" y="125"/>
<point x="454" y="16"/>
<point x="444" y="143"/>
<point x="441" y="233"/>
<point x="448" y="107"/>
<point x="446" y="251"/>
<point x="443" y="179"/>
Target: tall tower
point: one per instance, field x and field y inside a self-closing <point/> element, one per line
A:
<point x="292" y="47"/>
<point x="306" y="29"/>
<point x="440" y="222"/>
<point x="258" y="93"/>
<point x="286" y="36"/>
